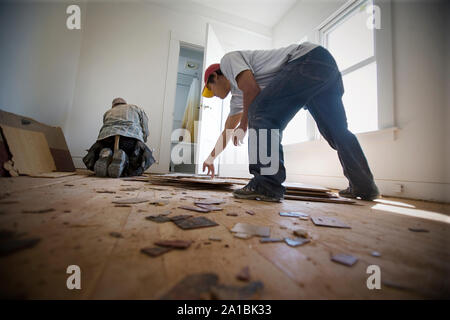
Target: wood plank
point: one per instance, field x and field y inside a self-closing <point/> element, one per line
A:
<point x="30" y="151"/>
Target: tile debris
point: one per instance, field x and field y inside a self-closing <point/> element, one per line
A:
<point x="296" y="242"/>
<point x="329" y="222"/>
<point x="242" y="235"/>
<point x="250" y="212"/>
<point x="196" y="209"/>
<point x="375" y="254"/>
<point x="194" y="222"/>
<point x="232" y="214"/>
<point x="175" y="244"/>
<point x="251" y="230"/>
<point x="209" y="201"/>
<point x="212" y="238"/>
<point x="345" y="259"/>
<point x="159" y="218"/>
<point x="209" y="207"/>
<point x="155" y="251"/>
<point x="294" y="214"/>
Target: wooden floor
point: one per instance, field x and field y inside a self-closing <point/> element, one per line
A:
<point x="413" y="264"/>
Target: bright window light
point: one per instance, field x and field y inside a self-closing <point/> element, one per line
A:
<point x="295" y="131"/>
<point x="360" y="99"/>
<point x="351" y="41"/>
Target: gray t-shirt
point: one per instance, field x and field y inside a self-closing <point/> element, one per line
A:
<point x="264" y="64"/>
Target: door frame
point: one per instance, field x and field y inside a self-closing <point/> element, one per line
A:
<point x="177" y="40"/>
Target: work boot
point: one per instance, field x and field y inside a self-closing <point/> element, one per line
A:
<point x="101" y="165"/>
<point x="251" y="194"/>
<point x="368" y="196"/>
<point x="118" y="164"/>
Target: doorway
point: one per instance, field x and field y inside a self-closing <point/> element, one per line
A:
<point x="186" y="110"/>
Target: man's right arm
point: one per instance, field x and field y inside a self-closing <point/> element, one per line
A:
<point x="230" y="124"/>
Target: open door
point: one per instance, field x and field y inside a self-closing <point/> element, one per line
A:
<point x="210" y="117"/>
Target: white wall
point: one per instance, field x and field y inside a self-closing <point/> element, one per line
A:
<point x="38" y="60"/>
<point x="416" y="155"/>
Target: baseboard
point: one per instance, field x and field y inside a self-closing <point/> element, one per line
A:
<point x="428" y="191"/>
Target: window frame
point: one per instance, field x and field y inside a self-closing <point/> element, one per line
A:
<point x="382" y="55"/>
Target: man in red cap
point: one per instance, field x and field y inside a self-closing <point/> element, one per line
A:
<point x="268" y="88"/>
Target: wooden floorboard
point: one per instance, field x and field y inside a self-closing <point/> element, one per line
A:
<point x="416" y="264"/>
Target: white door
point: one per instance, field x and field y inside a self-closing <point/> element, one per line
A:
<point x="210" y="117"/>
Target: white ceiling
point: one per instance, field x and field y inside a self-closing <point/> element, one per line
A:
<point x="265" y="12"/>
<point x="256" y="15"/>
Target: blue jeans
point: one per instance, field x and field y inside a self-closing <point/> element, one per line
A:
<point x="312" y="81"/>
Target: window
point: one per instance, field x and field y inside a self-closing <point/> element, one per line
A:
<point x="362" y="55"/>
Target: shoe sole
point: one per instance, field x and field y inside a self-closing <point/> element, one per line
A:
<point x="255" y="197"/>
<point x="117" y="165"/>
<point x="101" y="166"/>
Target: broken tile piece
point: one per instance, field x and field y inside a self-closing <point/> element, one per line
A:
<point x="209" y="207"/>
<point x="345" y="259"/>
<point x="271" y="240"/>
<point x="418" y="230"/>
<point x="232" y="214"/>
<point x="194" y="222"/>
<point x="192" y="287"/>
<point x="223" y="292"/>
<point x="302" y="233"/>
<point x="294" y="214"/>
<point x="329" y="222"/>
<point x="155" y="251"/>
<point x="131" y="201"/>
<point x="244" y="274"/>
<point x="212" y="238"/>
<point x="250" y="212"/>
<point x="209" y="201"/>
<point x="296" y="242"/>
<point x="158" y="219"/>
<point x="175" y="244"/>
<point x="375" y="254"/>
<point x="180" y="217"/>
<point x="250" y="229"/>
<point x="242" y="235"/>
<point x="196" y="209"/>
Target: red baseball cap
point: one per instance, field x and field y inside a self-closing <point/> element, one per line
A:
<point x="212" y="68"/>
